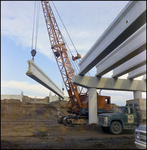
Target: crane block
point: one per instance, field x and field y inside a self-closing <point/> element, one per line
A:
<point x="77" y="57"/>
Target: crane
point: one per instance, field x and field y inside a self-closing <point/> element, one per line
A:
<point x="78" y="103"/>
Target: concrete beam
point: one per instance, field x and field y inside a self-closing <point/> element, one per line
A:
<point x="92" y="105"/>
<point x="137" y="72"/>
<point x="130" y="19"/>
<point x="130" y="65"/>
<point x="144" y="77"/>
<point x="38" y="75"/>
<point x="131" y="47"/>
<point x="110" y="83"/>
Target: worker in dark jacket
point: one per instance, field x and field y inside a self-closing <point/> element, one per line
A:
<point x="51" y="115"/>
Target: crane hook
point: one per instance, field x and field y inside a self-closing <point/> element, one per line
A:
<point x="33" y="53"/>
<point x="76" y="57"/>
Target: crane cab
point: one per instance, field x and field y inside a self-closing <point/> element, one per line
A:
<point x="76" y="57"/>
<point x="56" y="53"/>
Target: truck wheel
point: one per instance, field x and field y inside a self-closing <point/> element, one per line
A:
<point x="116" y="127"/>
<point x="105" y="129"/>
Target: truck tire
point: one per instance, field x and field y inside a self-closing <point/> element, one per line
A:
<point x="115" y="127"/>
<point x="105" y="129"/>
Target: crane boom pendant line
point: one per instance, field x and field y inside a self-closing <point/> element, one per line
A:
<point x="60" y="52"/>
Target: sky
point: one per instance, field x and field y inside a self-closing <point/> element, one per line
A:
<point x="85" y="22"/>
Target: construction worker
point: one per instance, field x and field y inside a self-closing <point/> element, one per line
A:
<point x="52" y="115"/>
<point x="58" y="114"/>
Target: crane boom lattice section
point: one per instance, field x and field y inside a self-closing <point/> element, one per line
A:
<point x="60" y="52"/>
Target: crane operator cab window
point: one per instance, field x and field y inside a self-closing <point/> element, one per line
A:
<point x="107" y="100"/>
<point x="56" y="53"/>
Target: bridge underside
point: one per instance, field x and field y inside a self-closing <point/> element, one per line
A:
<point x="121" y="48"/>
<point x="124" y="39"/>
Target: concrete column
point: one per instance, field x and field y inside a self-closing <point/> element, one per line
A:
<point x="137" y="94"/>
<point x="92" y="105"/>
<point x="21" y="96"/>
<point x="50" y="99"/>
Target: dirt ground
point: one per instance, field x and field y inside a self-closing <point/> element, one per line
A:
<point x="29" y="126"/>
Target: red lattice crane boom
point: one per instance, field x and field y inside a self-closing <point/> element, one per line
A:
<point x="78" y="100"/>
<point x="59" y="49"/>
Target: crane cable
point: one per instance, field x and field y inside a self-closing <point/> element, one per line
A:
<point x="33" y="25"/>
<point x="37" y="23"/>
<point x="69" y="38"/>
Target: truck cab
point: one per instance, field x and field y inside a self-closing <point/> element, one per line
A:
<point x="124" y="117"/>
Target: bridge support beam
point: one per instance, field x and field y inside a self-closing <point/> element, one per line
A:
<point x="110" y="83"/>
<point x="92" y="105"/>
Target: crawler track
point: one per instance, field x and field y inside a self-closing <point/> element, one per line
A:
<point x="72" y="120"/>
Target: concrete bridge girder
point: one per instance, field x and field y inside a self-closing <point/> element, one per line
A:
<point x="137" y="72"/>
<point x="131" y="18"/>
<point x="130" y="65"/>
<point x="38" y="75"/>
<point x="131" y="47"/>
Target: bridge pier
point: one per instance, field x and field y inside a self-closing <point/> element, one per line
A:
<point x="92" y="105"/>
<point x="137" y="94"/>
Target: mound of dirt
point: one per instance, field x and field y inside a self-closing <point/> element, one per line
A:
<point x="15" y="109"/>
<point x="26" y="125"/>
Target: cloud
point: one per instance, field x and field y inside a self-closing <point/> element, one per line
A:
<point x="117" y="97"/>
<point x="26" y="87"/>
<point x="84" y="29"/>
<point x="17" y="25"/>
